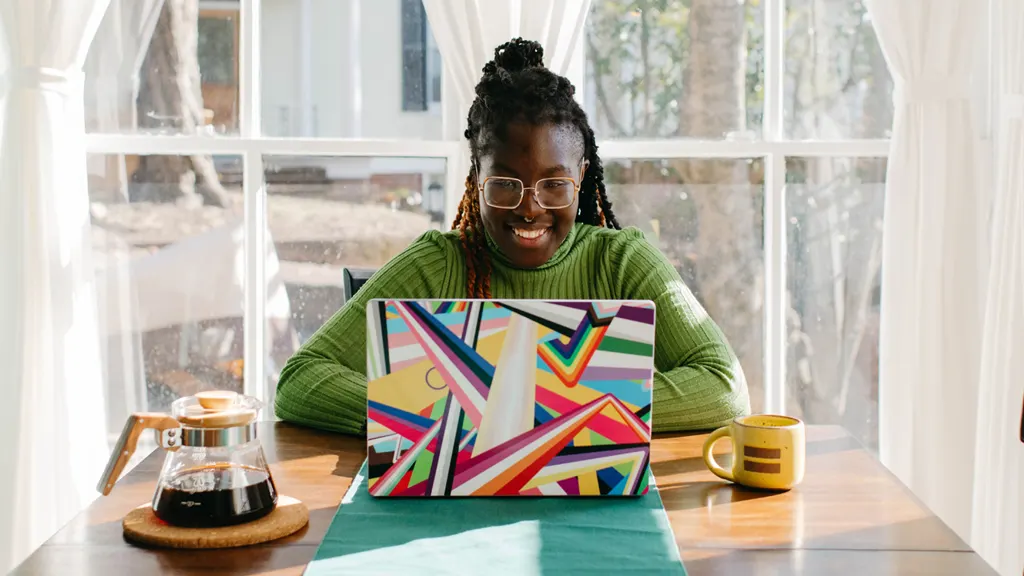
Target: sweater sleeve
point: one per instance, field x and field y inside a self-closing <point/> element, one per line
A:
<point x="698" y="381"/>
<point x="323" y="384"/>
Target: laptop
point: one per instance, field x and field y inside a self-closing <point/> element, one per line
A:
<point x="509" y="397"/>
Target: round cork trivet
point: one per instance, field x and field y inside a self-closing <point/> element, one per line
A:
<point x="142" y="526"/>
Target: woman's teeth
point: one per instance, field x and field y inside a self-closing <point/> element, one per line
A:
<point x="529" y="234"/>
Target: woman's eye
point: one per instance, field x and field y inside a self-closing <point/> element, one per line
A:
<point x="554" y="184"/>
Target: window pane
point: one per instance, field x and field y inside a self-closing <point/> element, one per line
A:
<point x="835" y="209"/>
<point x="414" y="56"/>
<point x="142" y="51"/>
<point x="169" y="269"/>
<point x="660" y="69"/>
<point x="349" y="70"/>
<point x="837" y="84"/>
<point x="326" y="214"/>
<point x="707" y="217"/>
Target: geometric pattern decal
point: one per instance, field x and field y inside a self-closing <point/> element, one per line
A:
<point x="509" y="398"/>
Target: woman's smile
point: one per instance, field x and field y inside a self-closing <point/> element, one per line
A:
<point x="530" y="236"/>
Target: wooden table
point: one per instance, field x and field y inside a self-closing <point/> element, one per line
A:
<point x="850" y="516"/>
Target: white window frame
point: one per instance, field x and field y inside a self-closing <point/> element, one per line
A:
<point x="773" y="148"/>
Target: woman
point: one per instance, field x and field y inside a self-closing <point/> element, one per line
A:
<point x="553" y="237"/>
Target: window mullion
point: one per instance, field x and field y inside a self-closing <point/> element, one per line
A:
<point x="255" y="288"/>
<point x="775" y="289"/>
<point x="774" y="69"/>
<point x="254" y="244"/>
<point x="249" y="70"/>
<point x="775" y="284"/>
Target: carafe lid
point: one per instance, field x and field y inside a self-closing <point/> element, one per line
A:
<point x="215" y="409"/>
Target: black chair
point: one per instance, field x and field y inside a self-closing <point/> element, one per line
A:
<point x="352" y="280"/>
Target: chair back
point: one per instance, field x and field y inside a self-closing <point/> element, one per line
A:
<point x="352" y="280"/>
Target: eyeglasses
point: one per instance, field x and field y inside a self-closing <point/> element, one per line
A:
<point x="550" y="193"/>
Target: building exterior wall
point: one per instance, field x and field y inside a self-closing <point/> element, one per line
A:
<point x="353" y="73"/>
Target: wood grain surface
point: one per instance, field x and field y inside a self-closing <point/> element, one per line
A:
<point x="849" y="516"/>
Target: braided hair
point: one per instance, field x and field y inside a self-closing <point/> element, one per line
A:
<point x="516" y="86"/>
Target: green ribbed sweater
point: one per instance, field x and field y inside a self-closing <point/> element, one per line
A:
<point x="698" y="380"/>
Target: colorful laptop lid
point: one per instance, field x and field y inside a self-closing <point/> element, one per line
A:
<point x="509" y="397"/>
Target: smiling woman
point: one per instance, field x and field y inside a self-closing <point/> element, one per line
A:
<point x="554" y="239"/>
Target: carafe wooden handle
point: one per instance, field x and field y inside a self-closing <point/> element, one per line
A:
<point x="127" y="442"/>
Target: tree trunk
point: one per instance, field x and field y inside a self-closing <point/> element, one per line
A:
<point x="171" y="98"/>
<point x="730" y="270"/>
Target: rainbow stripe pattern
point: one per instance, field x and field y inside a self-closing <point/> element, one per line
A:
<point x="509" y="398"/>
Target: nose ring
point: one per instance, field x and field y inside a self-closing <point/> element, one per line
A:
<point x="528" y="220"/>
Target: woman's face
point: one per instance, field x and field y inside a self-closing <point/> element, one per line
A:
<point x="529" y="235"/>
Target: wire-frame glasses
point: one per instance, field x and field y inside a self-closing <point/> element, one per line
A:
<point x="550" y="193"/>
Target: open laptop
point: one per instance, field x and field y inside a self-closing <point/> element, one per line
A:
<point x="509" y="397"/>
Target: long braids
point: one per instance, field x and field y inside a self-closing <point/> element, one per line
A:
<point x="516" y="86"/>
<point x="474" y="244"/>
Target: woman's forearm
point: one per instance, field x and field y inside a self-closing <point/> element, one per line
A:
<point x="696" y="398"/>
<point x="321" y="393"/>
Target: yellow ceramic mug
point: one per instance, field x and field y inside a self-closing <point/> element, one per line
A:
<point x="767" y="451"/>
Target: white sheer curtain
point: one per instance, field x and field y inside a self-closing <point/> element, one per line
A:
<point x="998" y="529"/>
<point x="468" y="31"/>
<point x="112" y="78"/>
<point x="52" y="426"/>
<point x="112" y="72"/>
<point x="4" y="68"/>
<point x="930" y="285"/>
<point x="114" y="64"/>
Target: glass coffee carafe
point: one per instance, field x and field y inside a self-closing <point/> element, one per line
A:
<point x="215" y="473"/>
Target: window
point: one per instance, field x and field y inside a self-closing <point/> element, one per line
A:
<point x="136" y="55"/>
<point x="834" y="234"/>
<point x="202" y="223"/>
<point x="414" y="56"/>
<point x="217" y="53"/>
<point x="760" y="178"/>
<point x="746" y="139"/>
<point x="433" y="74"/>
<point x="421" y="61"/>
<point x="347" y="69"/>
<point x="837" y="84"/>
<point x="218" y="36"/>
<point x="672" y="69"/>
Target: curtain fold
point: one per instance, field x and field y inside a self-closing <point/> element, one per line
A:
<point x="468" y="31"/>
<point x="998" y="522"/>
<point x="931" y="307"/>
<point x="52" y="424"/>
<point x="113" y="75"/>
<point x="114" y="64"/>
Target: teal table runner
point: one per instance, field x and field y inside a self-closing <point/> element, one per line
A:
<point x="515" y="535"/>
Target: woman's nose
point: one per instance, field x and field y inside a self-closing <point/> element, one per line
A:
<point x="529" y="208"/>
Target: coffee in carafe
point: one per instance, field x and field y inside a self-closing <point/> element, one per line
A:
<point x="219" y="495"/>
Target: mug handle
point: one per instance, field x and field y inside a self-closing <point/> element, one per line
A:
<point x="709" y="458"/>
